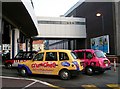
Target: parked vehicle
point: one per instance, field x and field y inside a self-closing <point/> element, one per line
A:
<point x="20" y="57"/>
<point x="5" y="56"/>
<point x="93" y="61"/>
<point x="52" y="62"/>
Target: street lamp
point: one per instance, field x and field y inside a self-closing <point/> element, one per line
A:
<point x="102" y="19"/>
<point x="101" y="15"/>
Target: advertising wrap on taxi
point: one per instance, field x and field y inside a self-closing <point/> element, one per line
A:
<point x="101" y="43"/>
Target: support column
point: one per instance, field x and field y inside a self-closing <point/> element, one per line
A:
<point x="0" y="43"/>
<point x="69" y="44"/>
<point x="12" y="43"/>
<point x="16" y="43"/>
<point x="31" y="46"/>
<point x="26" y="43"/>
<point x="117" y="18"/>
<point x="0" y="32"/>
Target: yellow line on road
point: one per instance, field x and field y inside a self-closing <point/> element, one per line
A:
<point x="57" y="87"/>
<point x="114" y="86"/>
<point x="89" y="86"/>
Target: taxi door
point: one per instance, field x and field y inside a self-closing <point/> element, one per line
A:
<point x="45" y="63"/>
<point x="51" y="65"/>
<point x="37" y="64"/>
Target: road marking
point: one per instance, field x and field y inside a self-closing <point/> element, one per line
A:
<point x="29" y="84"/>
<point x="89" y="86"/>
<point x="50" y="85"/>
<point x="1" y="65"/>
<point x="35" y="81"/>
<point x="114" y="86"/>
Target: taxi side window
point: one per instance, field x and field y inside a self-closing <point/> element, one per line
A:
<point x="89" y="55"/>
<point x="19" y="55"/>
<point x="51" y="56"/>
<point x="63" y="56"/>
<point x="39" y="57"/>
<point x="80" y="55"/>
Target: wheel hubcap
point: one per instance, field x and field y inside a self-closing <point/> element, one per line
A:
<point x="23" y="71"/>
<point x="9" y="65"/>
<point x="89" y="71"/>
<point x="65" y="75"/>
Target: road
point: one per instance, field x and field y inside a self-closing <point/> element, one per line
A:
<point x="10" y="78"/>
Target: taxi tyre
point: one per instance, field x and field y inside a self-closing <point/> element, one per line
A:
<point x="8" y="65"/>
<point x="89" y="70"/>
<point x="65" y="74"/>
<point x="23" y="72"/>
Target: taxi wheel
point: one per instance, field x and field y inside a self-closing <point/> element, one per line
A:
<point x="65" y="74"/>
<point x="8" y="65"/>
<point x="89" y="71"/>
<point x="23" y="72"/>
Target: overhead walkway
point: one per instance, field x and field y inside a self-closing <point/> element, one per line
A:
<point x="61" y="27"/>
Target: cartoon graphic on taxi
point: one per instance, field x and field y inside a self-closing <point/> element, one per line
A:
<point x="52" y="62"/>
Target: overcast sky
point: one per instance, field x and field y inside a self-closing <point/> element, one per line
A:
<point x="52" y="8"/>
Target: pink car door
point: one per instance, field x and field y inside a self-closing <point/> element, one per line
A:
<point x="88" y="58"/>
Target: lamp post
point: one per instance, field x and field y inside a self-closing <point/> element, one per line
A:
<point x="101" y="15"/>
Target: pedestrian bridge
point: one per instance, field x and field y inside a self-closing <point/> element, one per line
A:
<point x="61" y="27"/>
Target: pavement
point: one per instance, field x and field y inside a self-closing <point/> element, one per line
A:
<point x="117" y="64"/>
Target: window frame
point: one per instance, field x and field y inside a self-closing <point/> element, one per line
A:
<point x="52" y="56"/>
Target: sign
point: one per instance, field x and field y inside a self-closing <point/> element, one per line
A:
<point x="101" y="43"/>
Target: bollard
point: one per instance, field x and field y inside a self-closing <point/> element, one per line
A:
<point x="114" y="65"/>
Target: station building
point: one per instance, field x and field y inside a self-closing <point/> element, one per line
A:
<point x="62" y="32"/>
<point x="102" y="26"/>
<point x="18" y="26"/>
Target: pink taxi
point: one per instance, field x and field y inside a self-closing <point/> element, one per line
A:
<point x="93" y="61"/>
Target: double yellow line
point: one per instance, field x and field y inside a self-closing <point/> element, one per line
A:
<point x="112" y="86"/>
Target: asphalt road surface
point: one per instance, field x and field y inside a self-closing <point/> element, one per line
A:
<point x="108" y="80"/>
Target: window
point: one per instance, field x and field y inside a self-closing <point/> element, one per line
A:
<point x="63" y="56"/>
<point x="39" y="57"/>
<point x="19" y="55"/>
<point x="74" y="55"/>
<point x="89" y="55"/>
<point x="80" y="55"/>
<point x="51" y="56"/>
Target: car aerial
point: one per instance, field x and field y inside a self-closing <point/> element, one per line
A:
<point x="93" y="61"/>
<point x="21" y="56"/>
<point x="52" y="62"/>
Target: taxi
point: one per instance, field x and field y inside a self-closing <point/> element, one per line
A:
<point x="20" y="57"/>
<point x="63" y="63"/>
<point x="93" y="61"/>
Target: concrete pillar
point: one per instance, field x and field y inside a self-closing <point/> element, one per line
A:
<point x="0" y="32"/>
<point x="69" y="44"/>
<point x="16" y="43"/>
<point x="31" y="46"/>
<point x="12" y="41"/>
<point x="0" y="43"/>
<point x="117" y="17"/>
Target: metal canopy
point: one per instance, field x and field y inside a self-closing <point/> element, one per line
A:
<point x="16" y="14"/>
